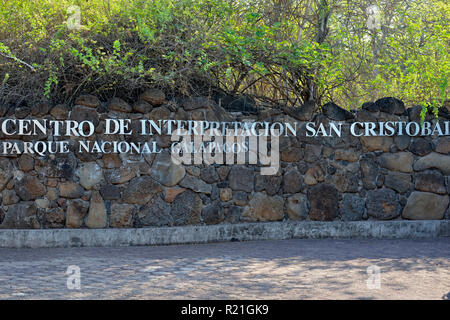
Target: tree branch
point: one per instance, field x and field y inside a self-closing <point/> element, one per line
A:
<point x="18" y="60"/>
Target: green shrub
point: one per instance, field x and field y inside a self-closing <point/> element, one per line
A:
<point x="274" y="51"/>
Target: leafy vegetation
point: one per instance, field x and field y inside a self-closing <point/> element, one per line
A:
<point x="282" y="51"/>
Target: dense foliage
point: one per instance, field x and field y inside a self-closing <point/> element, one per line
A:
<point x="285" y="51"/>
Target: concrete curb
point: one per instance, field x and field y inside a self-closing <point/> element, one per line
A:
<point x="51" y="238"/>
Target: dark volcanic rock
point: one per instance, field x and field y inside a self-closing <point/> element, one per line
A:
<point x="442" y="145"/>
<point x="141" y="190"/>
<point x="400" y="182"/>
<point x="400" y="161"/>
<point x="241" y="178"/>
<point x="3" y="110"/>
<point x="334" y="112"/>
<point x="153" y="96"/>
<point x="209" y="174"/>
<point x="270" y="184"/>
<point x="157" y="214"/>
<point x="262" y="207"/>
<point x="402" y="142"/>
<point x="194" y="103"/>
<point x="70" y="189"/>
<point x="29" y="188"/>
<point x="22" y="112"/>
<point x="62" y="166"/>
<point x="117" y="104"/>
<point x="323" y="199"/>
<point x="60" y="112"/>
<point x="370" y="106"/>
<point x="76" y="211"/>
<point x="293" y="181"/>
<point x="420" y="147"/>
<point x="54" y="218"/>
<point x="186" y="209"/>
<point x="213" y="214"/>
<point x="195" y="184"/>
<point x="21" y="216"/>
<point x="6" y="172"/>
<point x="82" y="113"/>
<point x="241" y="103"/>
<point x="233" y="214"/>
<point x="40" y="109"/>
<point x="430" y="181"/>
<point x="391" y="105"/>
<point x="346" y="182"/>
<point x="143" y="107"/>
<point x="352" y="207"/>
<point x="369" y="170"/>
<point x="121" y="215"/>
<point x="303" y="113"/>
<point x="88" y="100"/>
<point x="110" y="192"/>
<point x="383" y="204"/>
<point x="297" y="207"/>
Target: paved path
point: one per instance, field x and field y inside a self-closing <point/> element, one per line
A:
<point x="286" y="269"/>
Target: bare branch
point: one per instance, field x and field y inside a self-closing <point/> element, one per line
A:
<point x="18" y="60"/>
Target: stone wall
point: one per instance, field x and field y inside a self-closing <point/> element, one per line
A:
<point x="344" y="178"/>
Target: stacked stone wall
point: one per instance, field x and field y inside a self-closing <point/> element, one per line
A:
<point x="322" y="178"/>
